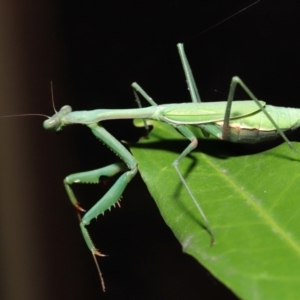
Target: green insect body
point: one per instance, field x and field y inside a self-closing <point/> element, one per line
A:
<point x="257" y="128"/>
<point x="249" y="121"/>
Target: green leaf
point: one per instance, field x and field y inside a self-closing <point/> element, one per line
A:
<point x="251" y="201"/>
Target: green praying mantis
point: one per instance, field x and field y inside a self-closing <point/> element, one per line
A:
<point x="249" y="121"/>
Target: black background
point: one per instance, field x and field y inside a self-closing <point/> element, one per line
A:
<point x="92" y="52"/>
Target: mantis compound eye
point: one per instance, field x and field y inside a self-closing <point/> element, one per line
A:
<point x="52" y="124"/>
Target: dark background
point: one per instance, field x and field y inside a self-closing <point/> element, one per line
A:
<point x="93" y="52"/>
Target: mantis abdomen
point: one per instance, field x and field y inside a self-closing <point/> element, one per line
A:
<point x="257" y="128"/>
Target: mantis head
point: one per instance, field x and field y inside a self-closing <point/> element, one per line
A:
<point x="56" y="122"/>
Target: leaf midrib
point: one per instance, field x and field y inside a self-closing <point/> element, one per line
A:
<point x="265" y="216"/>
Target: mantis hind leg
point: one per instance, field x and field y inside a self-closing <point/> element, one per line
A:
<point x="193" y="144"/>
<point x="234" y="82"/>
<point x="189" y="79"/>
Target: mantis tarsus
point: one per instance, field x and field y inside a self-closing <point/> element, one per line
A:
<point x="250" y="121"/>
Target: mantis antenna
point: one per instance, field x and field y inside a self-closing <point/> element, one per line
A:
<point x="224" y="20"/>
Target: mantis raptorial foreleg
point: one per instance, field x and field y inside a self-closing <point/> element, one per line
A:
<point x="91" y="177"/>
<point x="115" y="192"/>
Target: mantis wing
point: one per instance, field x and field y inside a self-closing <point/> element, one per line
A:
<point x="201" y="113"/>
